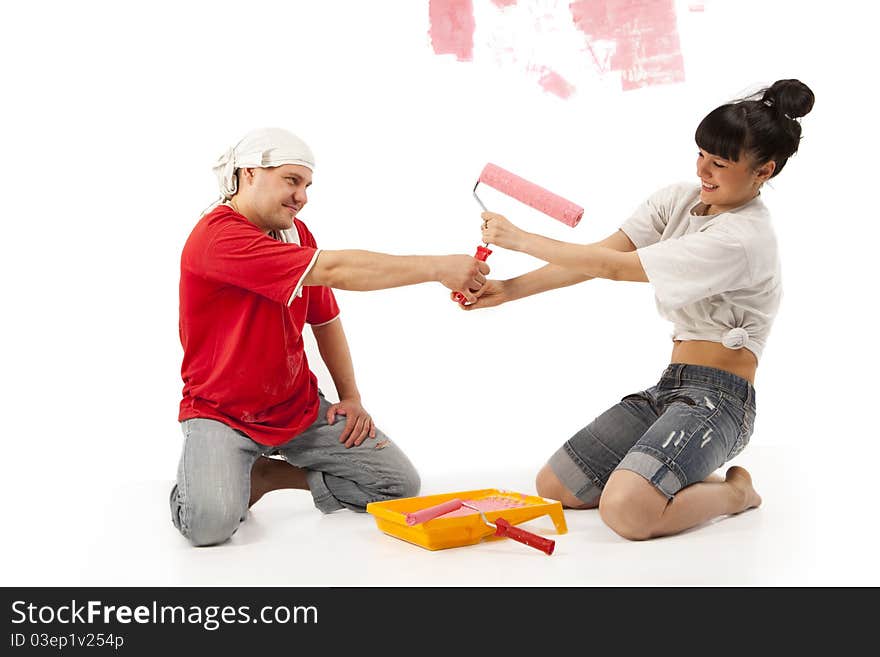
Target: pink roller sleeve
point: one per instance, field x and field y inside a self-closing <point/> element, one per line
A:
<point x="532" y="195"/>
<point x="432" y="512"/>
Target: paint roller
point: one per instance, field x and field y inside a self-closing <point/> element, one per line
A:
<point x="501" y="526"/>
<point x="526" y="192"/>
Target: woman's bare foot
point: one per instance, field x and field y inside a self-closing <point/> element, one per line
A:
<point x="272" y="474"/>
<point x="741" y="480"/>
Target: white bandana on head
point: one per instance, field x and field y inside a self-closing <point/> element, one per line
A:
<point x="265" y="147"/>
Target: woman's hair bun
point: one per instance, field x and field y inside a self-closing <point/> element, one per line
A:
<point x="791" y="98"/>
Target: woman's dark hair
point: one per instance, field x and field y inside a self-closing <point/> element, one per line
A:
<point x="762" y="126"/>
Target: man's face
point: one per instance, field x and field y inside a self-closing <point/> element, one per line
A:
<point x="276" y="194"/>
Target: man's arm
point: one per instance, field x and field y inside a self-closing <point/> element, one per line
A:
<point x="368" y="270"/>
<point x="335" y="353"/>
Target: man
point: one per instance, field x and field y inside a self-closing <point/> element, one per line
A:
<point x="251" y="276"/>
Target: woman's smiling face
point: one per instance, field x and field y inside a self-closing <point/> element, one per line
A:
<point x="727" y="184"/>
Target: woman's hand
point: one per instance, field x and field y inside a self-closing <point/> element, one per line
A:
<point x="498" y="230"/>
<point x="493" y="293"/>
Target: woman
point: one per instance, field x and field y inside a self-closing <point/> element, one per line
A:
<point x="710" y="252"/>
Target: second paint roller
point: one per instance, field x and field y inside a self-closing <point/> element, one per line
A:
<point x="501" y="526"/>
<point x="526" y="192"/>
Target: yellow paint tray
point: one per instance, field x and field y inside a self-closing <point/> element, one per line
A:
<point x="465" y="527"/>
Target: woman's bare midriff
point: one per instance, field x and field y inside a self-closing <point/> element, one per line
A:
<point x="741" y="362"/>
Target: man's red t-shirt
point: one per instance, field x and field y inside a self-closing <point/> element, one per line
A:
<point x="242" y="311"/>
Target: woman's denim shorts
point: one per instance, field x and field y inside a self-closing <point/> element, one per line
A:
<point x="674" y="434"/>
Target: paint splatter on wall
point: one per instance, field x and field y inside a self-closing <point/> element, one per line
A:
<point x="561" y="44"/>
<point x="645" y="36"/>
<point x="452" y="28"/>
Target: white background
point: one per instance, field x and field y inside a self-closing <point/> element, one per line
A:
<point x="112" y="118"/>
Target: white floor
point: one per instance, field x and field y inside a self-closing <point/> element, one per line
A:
<point x="127" y="539"/>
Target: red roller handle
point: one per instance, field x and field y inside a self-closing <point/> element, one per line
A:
<point x="504" y="528"/>
<point x="481" y="254"/>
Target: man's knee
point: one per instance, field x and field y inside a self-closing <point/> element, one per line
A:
<point x="212" y="526"/>
<point x="205" y="523"/>
<point x="406" y="483"/>
<point x="396" y="476"/>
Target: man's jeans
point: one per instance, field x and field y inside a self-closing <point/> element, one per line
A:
<point x="213" y="486"/>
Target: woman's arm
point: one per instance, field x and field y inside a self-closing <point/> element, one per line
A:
<point x="589" y="260"/>
<point x="548" y="277"/>
<point x="553" y="276"/>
